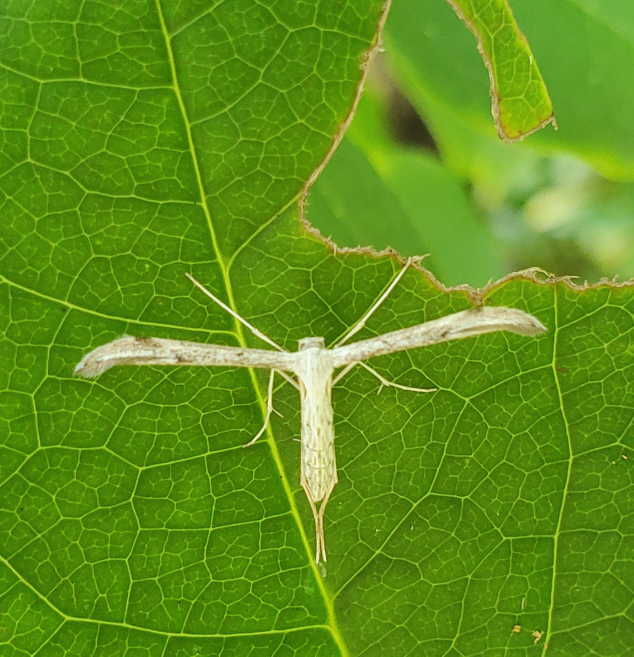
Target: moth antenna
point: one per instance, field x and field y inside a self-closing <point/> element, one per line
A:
<point x="361" y="323"/>
<point x="235" y="315"/>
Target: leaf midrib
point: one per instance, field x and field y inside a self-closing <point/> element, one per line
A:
<point x="332" y="626"/>
<point x="551" y="606"/>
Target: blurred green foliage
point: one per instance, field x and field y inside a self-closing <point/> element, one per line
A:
<point x="422" y="169"/>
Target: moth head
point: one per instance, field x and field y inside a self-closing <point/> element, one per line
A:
<point x="311" y="343"/>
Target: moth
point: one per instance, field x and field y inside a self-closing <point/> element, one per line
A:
<point x="314" y="366"/>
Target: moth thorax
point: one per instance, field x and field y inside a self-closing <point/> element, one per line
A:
<point x="311" y="343"/>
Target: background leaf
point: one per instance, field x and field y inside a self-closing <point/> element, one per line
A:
<point x="558" y="200"/>
<point x="386" y="196"/>
<point x="584" y="50"/>
<point x="521" y="104"/>
<point x="145" y="141"/>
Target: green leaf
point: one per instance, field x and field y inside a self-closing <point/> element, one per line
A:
<point x="584" y="49"/>
<point x="143" y="141"/>
<point x="411" y="204"/>
<point x="521" y="104"/>
<point x="376" y="193"/>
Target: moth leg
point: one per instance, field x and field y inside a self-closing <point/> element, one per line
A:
<point x="321" y="539"/>
<point x="391" y="384"/>
<point x="343" y="372"/>
<point x="382" y="379"/>
<point x="269" y="404"/>
<point x="289" y="378"/>
<point x="361" y="323"/>
<point x="313" y="508"/>
<point x="269" y="410"/>
<point x="318" y="533"/>
<point x="318" y="515"/>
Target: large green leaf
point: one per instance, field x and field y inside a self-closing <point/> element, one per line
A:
<point x="141" y="141"/>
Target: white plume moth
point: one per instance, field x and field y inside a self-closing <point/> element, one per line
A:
<point x="314" y="366"/>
